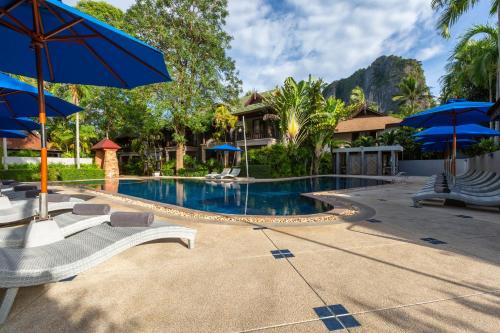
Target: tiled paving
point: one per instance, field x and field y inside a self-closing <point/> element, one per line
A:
<point x="387" y="275"/>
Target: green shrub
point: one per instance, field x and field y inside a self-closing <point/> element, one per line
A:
<point x="31" y="172"/>
<point x="80" y="174"/>
<point x="326" y="164"/>
<point x="200" y="172"/>
<point x="133" y="167"/>
<point x="278" y="161"/>
<point x="21" y="175"/>
<point x="168" y="168"/>
<point x="257" y="171"/>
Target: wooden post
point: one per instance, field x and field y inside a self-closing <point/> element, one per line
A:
<point x="363" y="166"/>
<point x="347" y="163"/>
<point x="337" y="163"/>
<point x="379" y="163"/>
<point x="393" y="163"/>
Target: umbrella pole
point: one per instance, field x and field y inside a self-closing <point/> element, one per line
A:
<point x="37" y="45"/>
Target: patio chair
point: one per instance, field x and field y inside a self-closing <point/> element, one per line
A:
<point x="18" y="210"/>
<point x="71" y="256"/>
<point x="232" y="175"/>
<point x="214" y="175"/>
<point x="69" y="224"/>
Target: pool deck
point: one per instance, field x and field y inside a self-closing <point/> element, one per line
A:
<point x="380" y="271"/>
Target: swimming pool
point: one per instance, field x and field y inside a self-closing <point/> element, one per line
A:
<point x="262" y="198"/>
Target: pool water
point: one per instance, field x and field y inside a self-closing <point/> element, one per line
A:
<point x="266" y="198"/>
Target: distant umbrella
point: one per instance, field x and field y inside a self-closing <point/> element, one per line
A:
<point x="225" y="147"/>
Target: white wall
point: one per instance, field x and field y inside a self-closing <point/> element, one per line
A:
<point x="486" y="162"/>
<point x="51" y="160"/>
<point x="428" y="167"/>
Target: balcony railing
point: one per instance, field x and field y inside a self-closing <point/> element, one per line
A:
<point x="256" y="136"/>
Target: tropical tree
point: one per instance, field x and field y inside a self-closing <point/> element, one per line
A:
<point x="452" y="10"/>
<point x="290" y="104"/>
<point x="191" y="35"/>
<point x="470" y="73"/>
<point x="413" y="95"/>
<point x="479" y="57"/>
<point x="223" y="120"/>
<point x="322" y="124"/>
<point x="358" y="101"/>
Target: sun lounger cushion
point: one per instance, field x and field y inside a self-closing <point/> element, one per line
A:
<point x="91" y="209"/>
<point x="31" y="193"/>
<point x="131" y="219"/>
<point x="58" y="197"/>
<point x="19" y="188"/>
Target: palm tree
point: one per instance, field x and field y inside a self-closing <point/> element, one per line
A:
<point x="483" y="66"/>
<point x="358" y="101"/>
<point x="412" y="93"/>
<point x="290" y="104"/>
<point x="472" y="66"/>
<point x="452" y="10"/>
<point x="322" y="124"/>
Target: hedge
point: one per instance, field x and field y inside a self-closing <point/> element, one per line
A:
<point x="258" y="171"/>
<point x="31" y="172"/>
<point x="80" y="174"/>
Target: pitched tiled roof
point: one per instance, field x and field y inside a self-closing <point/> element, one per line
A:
<point x="105" y="144"/>
<point x="245" y="108"/>
<point x="31" y="142"/>
<point x="366" y="124"/>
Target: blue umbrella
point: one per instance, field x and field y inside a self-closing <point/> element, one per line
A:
<point x="49" y="40"/>
<point x="12" y="134"/>
<point x="25" y="124"/>
<point x="74" y="47"/>
<point x="440" y="146"/>
<point x="19" y="99"/>
<point x="225" y="147"/>
<point x="455" y="112"/>
<point x="462" y="132"/>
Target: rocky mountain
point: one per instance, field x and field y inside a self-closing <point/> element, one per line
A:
<point x="379" y="81"/>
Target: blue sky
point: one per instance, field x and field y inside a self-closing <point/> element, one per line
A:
<point x="274" y="39"/>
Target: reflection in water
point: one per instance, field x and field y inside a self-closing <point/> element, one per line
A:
<point x="269" y="198"/>
<point x="111" y="185"/>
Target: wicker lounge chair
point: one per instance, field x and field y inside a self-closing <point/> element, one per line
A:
<point x="68" y="223"/>
<point x="66" y="258"/>
<point x="12" y="211"/>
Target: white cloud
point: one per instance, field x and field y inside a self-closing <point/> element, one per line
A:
<point x="328" y="39"/>
<point x="274" y="39"/>
<point x="429" y="52"/>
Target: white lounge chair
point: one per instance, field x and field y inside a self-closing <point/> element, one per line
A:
<point x="215" y="175"/>
<point x="231" y="175"/>
<point x="12" y="211"/>
<point x="69" y="257"/>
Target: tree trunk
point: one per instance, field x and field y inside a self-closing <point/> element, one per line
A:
<point x="179" y="157"/>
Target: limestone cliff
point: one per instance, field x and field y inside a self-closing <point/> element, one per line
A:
<point x="379" y="81"/>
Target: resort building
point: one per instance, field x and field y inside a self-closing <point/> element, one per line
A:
<point x="31" y="143"/>
<point x="365" y="122"/>
<point x="260" y="122"/>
